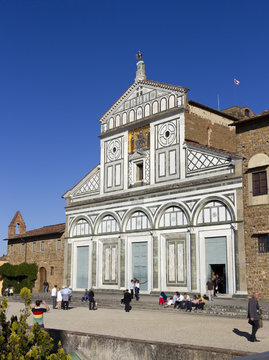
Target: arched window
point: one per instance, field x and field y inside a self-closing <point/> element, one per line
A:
<point x="214" y="211"/>
<point x="247" y="112"/>
<point x="108" y="224"/>
<point x="138" y="221"/>
<point x="173" y="216"/>
<point x="81" y="228"/>
<point x="163" y="104"/>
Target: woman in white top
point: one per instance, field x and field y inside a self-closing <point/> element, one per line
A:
<point x="59" y="300"/>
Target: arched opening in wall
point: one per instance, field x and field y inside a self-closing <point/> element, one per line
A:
<point x="17" y="228"/>
<point x="173" y="216"/>
<point x="138" y="221"/>
<point x="108" y="225"/>
<point x="81" y="228"/>
<point x="42" y="278"/>
<point x="215" y="245"/>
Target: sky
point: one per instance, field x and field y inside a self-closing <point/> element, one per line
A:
<point x="63" y="63"/>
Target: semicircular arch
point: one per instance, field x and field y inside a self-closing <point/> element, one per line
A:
<point x="81" y="226"/>
<point x="138" y="210"/>
<point x="107" y="222"/>
<point x="219" y="209"/>
<point x="182" y="216"/>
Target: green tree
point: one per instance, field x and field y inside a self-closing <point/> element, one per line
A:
<point x="18" y="341"/>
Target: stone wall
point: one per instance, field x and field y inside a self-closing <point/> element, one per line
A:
<point x="253" y="139"/>
<point x="50" y="257"/>
<point x="103" y="347"/>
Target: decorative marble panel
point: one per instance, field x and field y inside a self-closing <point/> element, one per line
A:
<point x="91" y="185"/>
<point x="200" y="161"/>
<point x="113" y="150"/>
<point x="110" y="263"/>
<point x="176" y="262"/>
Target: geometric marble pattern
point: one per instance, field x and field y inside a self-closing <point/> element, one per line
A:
<point x="91" y="185"/>
<point x="198" y="160"/>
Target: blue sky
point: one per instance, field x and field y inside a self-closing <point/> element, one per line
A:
<point x="63" y="63"/>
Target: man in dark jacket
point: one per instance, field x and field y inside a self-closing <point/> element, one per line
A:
<point x="253" y="315"/>
<point x="127" y="299"/>
<point x="91" y="300"/>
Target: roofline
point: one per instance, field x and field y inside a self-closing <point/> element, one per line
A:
<point x="147" y="82"/>
<point x="84" y="177"/>
<point x="245" y="121"/>
<point x="208" y="108"/>
<point x="20" y="236"/>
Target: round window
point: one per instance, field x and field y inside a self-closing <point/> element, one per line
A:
<point x="167" y="133"/>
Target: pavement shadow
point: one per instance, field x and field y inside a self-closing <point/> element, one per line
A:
<point x="241" y="333"/>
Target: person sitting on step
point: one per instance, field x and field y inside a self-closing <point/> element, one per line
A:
<point x="162" y="298"/>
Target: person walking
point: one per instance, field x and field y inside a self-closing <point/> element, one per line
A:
<point x="127" y="299"/>
<point x="132" y="288"/>
<point x="253" y="316"/>
<point x="91" y="300"/>
<point x="59" y="300"/>
<point x="39" y="311"/>
<point x="54" y="296"/>
<point x="210" y="289"/>
<point x="66" y="295"/>
<point x="137" y="288"/>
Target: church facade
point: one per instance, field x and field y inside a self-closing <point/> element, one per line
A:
<point x="165" y="203"/>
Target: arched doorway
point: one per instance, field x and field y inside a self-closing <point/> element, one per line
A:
<point x="42" y="278"/>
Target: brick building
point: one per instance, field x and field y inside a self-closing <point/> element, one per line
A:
<point x="44" y="246"/>
<point x="253" y="145"/>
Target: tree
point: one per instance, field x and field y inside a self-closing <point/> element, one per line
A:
<point x="18" y="341"/>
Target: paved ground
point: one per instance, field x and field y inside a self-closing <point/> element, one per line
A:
<point x="175" y="327"/>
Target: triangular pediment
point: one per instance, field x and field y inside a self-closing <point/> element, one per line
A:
<point x="140" y="94"/>
<point x="90" y="184"/>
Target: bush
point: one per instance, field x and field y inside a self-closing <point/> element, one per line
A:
<point x="19" y="276"/>
<point x="18" y="341"/>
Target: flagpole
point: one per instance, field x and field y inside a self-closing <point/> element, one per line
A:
<point x="218" y="102"/>
<point x="234" y="89"/>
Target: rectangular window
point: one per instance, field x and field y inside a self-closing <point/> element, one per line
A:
<point x="42" y="245"/>
<point x="259" y="183"/>
<point x="139" y="172"/>
<point x="58" y="246"/>
<point x="52" y="270"/>
<point x="34" y="246"/>
<point x="263" y="243"/>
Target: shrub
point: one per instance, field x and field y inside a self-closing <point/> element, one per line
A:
<point x="19" y="276"/>
<point x="18" y="341"/>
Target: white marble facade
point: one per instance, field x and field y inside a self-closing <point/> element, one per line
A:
<point x="151" y="205"/>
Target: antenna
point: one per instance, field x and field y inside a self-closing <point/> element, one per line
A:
<point x="218" y="102"/>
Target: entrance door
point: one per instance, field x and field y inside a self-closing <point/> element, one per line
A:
<point x="219" y="271"/>
<point x="42" y="278"/>
<point x="216" y="259"/>
<point x="140" y="263"/>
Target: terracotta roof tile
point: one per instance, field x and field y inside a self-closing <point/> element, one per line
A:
<point x="45" y="230"/>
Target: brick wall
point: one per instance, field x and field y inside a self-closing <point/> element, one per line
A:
<point x="209" y="129"/>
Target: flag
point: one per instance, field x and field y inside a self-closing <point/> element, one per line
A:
<point x="236" y="82"/>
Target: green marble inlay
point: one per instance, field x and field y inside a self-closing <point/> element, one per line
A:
<point x="155" y="262"/>
<point x="193" y="263"/>
<point x="122" y="263"/>
<point x="68" y="275"/>
<point x="94" y="263"/>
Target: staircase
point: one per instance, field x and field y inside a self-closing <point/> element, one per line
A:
<point x="235" y="308"/>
